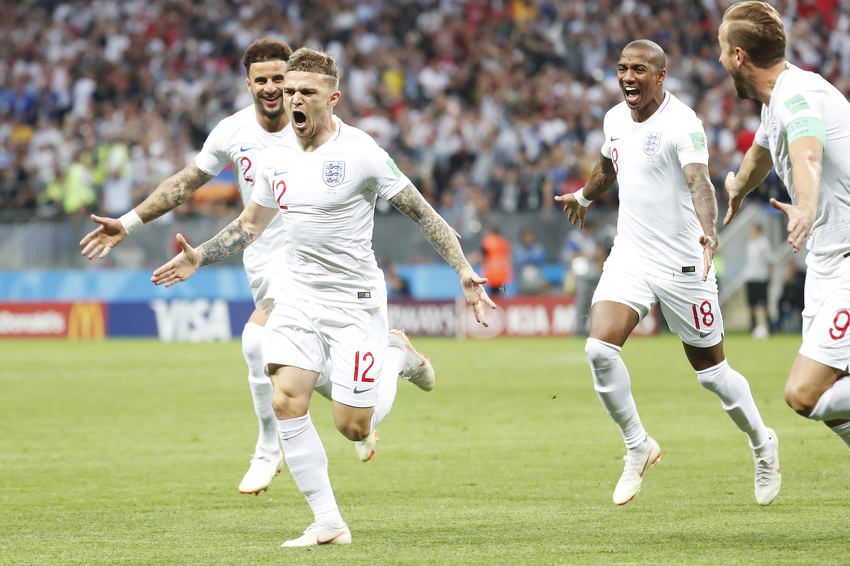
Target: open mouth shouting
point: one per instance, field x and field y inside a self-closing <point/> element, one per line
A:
<point x="299" y="120"/>
<point x="632" y="95"/>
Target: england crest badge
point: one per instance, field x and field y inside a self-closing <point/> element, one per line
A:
<point x="333" y="173"/>
<point x="652" y="143"/>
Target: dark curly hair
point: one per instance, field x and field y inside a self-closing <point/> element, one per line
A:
<point x="266" y="49"/>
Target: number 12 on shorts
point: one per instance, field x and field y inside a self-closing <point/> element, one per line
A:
<point x="366" y="357"/>
<point x="704" y="310"/>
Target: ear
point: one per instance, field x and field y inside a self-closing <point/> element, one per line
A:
<point x="334" y="99"/>
<point x="661" y="75"/>
<point x="741" y="57"/>
<point x="248" y="83"/>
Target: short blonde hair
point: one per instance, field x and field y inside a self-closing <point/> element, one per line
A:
<point x="756" y="27"/>
<point x="314" y="61"/>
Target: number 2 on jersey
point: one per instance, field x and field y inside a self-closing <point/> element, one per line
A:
<point x="366" y="356"/>
<point x="243" y="161"/>
<point x="705" y="311"/>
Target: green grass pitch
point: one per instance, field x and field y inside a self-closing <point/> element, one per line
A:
<point x="130" y="452"/>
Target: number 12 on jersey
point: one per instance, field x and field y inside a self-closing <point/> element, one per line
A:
<point x="366" y="357"/>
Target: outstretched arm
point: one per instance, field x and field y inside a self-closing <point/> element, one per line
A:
<point x="601" y="179"/>
<point x="237" y="236"/>
<point x="806" y="155"/>
<point x="443" y="238"/>
<point x="752" y="172"/>
<point x="170" y="194"/>
<point x="705" y="205"/>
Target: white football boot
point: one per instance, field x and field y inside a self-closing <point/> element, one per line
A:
<point x="768" y="472"/>
<point x="636" y="464"/>
<point x="264" y="467"/>
<point x="318" y="534"/>
<point x="417" y="368"/>
<point x="366" y="447"/>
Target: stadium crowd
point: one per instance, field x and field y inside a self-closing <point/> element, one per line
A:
<point x="488" y="105"/>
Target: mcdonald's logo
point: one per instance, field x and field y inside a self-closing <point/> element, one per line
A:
<point x="86" y="322"/>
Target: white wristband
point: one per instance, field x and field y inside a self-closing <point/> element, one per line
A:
<point x="130" y="221"/>
<point x="579" y="194"/>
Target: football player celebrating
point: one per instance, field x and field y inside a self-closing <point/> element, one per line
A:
<point x="323" y="180"/>
<point x="666" y="237"/>
<point x="240" y="139"/>
<point x="804" y="129"/>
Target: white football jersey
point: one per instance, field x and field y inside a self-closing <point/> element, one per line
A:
<point x="657" y="226"/>
<point x="239" y="139"/>
<point x="805" y="104"/>
<point x="327" y="202"/>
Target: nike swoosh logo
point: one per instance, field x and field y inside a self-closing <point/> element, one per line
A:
<point x="645" y="464"/>
<point x="276" y="173"/>
<point x="614" y="139"/>
<point x="356" y="392"/>
<point x="704" y="334"/>
<point x="330" y="540"/>
<point x="241" y="149"/>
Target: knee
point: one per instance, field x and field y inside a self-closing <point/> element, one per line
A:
<point x="288" y="407"/>
<point x="600" y="354"/>
<point x="252" y="342"/>
<point x="801" y="399"/>
<point x="712" y="378"/>
<point x="354" y="430"/>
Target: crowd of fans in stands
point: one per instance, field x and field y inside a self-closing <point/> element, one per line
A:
<point x="486" y="105"/>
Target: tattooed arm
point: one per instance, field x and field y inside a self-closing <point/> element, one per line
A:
<point x="705" y="205"/>
<point x="601" y="179"/>
<point x="444" y="240"/>
<point x="237" y="236"/>
<point x="170" y="194"/>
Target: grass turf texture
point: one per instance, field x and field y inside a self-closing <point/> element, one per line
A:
<point x="130" y="452"/>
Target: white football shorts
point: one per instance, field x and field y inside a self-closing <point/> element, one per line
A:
<point x="346" y="344"/>
<point x="826" y="320"/>
<point x="689" y="304"/>
<point x="262" y="281"/>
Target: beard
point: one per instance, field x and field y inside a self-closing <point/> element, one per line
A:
<point x="269" y="112"/>
<point x="740" y="87"/>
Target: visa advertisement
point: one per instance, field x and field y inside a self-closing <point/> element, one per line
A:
<point x="210" y="320"/>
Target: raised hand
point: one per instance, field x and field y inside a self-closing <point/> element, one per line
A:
<point x="182" y="267"/>
<point x="109" y="234"/>
<point x="736" y="199"/>
<point x="575" y="211"/>
<point x="473" y="288"/>
<point x="800" y="222"/>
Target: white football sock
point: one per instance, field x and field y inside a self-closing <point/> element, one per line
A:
<point x="387" y="384"/>
<point x="737" y="400"/>
<point x="843" y="432"/>
<point x="307" y="462"/>
<point x="261" y="387"/>
<point x="834" y="403"/>
<point x="613" y="387"/>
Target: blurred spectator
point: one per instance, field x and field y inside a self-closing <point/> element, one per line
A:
<point x="397" y="286"/>
<point x="529" y="259"/>
<point x="757" y="274"/>
<point x="792" y="299"/>
<point x="496" y="260"/>
<point x="511" y="94"/>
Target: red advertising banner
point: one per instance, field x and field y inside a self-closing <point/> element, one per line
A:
<point x="533" y="315"/>
<point x="75" y="321"/>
